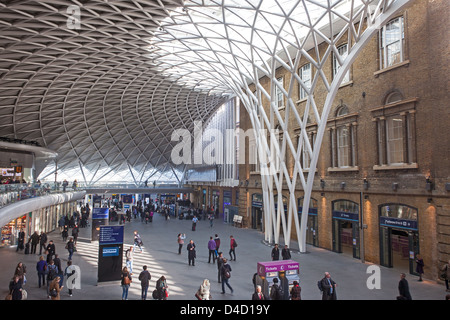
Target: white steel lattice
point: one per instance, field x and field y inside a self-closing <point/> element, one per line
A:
<point x="107" y="95"/>
<point x="237" y="44"/>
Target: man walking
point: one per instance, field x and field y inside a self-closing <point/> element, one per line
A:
<point x="212" y="250"/>
<point x="144" y="277"/>
<point x="226" y="275"/>
<point x="328" y="287"/>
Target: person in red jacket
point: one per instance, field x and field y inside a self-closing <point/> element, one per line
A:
<point x="233" y="245"/>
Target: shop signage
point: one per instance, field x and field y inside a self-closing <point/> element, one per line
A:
<point x="345" y="215"/>
<point x="398" y="223"/>
<point x="110" y="252"/>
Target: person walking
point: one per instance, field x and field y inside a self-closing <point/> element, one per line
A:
<point x="137" y="241"/>
<point x="69" y="272"/>
<point x="258" y="295"/>
<point x="70" y="246"/>
<point x="286" y="253"/>
<point x="125" y="282"/>
<point x="51" y="250"/>
<point x="275" y="253"/>
<point x="15" y="289"/>
<point x="129" y="260"/>
<point x="75" y="232"/>
<point x="403" y="288"/>
<point x="52" y="272"/>
<point x="211" y="220"/>
<point x="55" y="289"/>
<point x="219" y="266"/>
<point x="42" y="242"/>
<point x="204" y="291"/>
<point x="419" y="266"/>
<point x="144" y="277"/>
<point x="41" y="268"/>
<point x="226" y="275"/>
<point x="217" y="240"/>
<point x="445" y="274"/>
<point x="34" y="239"/>
<point x="328" y="287"/>
<point x="191" y="252"/>
<point x="21" y="271"/>
<point x="233" y="245"/>
<point x="180" y="240"/>
<point x="212" y="250"/>
<point x="21" y="240"/>
<point x="65" y="232"/>
<point x="194" y="223"/>
<point x="296" y="291"/>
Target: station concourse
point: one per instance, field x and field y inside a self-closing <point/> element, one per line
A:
<point x="160" y="254"/>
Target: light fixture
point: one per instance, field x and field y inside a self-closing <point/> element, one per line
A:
<point x="395" y="186"/>
<point x="343" y="185"/>
<point x="322" y="183"/>
<point x="366" y="184"/>
<point x="429" y="200"/>
<point x="429" y="185"/>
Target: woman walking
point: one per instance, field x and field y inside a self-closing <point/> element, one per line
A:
<point x="180" y="241"/>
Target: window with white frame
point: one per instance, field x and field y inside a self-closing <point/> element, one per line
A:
<point x="343" y="145"/>
<point x="392" y="43"/>
<point x="394" y="139"/>
<point x="305" y="76"/>
<point x="343" y="52"/>
<point x="279" y="93"/>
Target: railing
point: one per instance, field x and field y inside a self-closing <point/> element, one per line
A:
<point x="11" y="193"/>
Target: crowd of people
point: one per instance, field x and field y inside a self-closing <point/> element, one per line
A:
<point x="51" y="273"/>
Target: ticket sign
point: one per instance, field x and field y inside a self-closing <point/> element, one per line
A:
<point x="276" y="266"/>
<point x="110" y="235"/>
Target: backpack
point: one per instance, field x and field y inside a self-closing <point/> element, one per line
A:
<point x="51" y="273"/>
<point x="319" y="285"/>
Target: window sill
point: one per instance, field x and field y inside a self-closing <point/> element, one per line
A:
<point x="345" y="84"/>
<point x="398" y="65"/>
<point x="343" y="169"/>
<point x="401" y="166"/>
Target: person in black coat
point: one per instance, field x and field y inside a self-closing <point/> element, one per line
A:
<point x="328" y="288"/>
<point x="276" y="253"/>
<point x="15" y="288"/>
<point x="403" y="288"/>
<point x="191" y="252"/>
<point x="51" y="250"/>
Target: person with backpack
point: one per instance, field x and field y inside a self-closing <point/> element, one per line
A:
<point x="125" y="282"/>
<point x="226" y="275"/>
<point x="276" y="292"/>
<point x="129" y="260"/>
<point x="41" y="268"/>
<point x="296" y="291"/>
<point x="233" y="245"/>
<point x="51" y="275"/>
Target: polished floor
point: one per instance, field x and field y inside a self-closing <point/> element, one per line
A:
<point x="160" y="254"/>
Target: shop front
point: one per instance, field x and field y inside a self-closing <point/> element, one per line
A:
<point x="399" y="236"/>
<point x="257" y="211"/>
<point x="312" y="225"/>
<point x="345" y="225"/>
<point x="10" y="231"/>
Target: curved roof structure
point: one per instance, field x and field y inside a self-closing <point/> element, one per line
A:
<point x="105" y="83"/>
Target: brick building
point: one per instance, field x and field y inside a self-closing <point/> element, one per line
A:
<point x="381" y="190"/>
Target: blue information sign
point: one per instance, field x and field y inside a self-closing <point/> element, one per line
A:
<point x="110" y="251"/>
<point x="111" y="235"/>
<point x="100" y="213"/>
<point x="398" y="223"/>
<point x="351" y="216"/>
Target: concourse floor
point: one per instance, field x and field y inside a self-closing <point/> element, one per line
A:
<point x="160" y="254"/>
